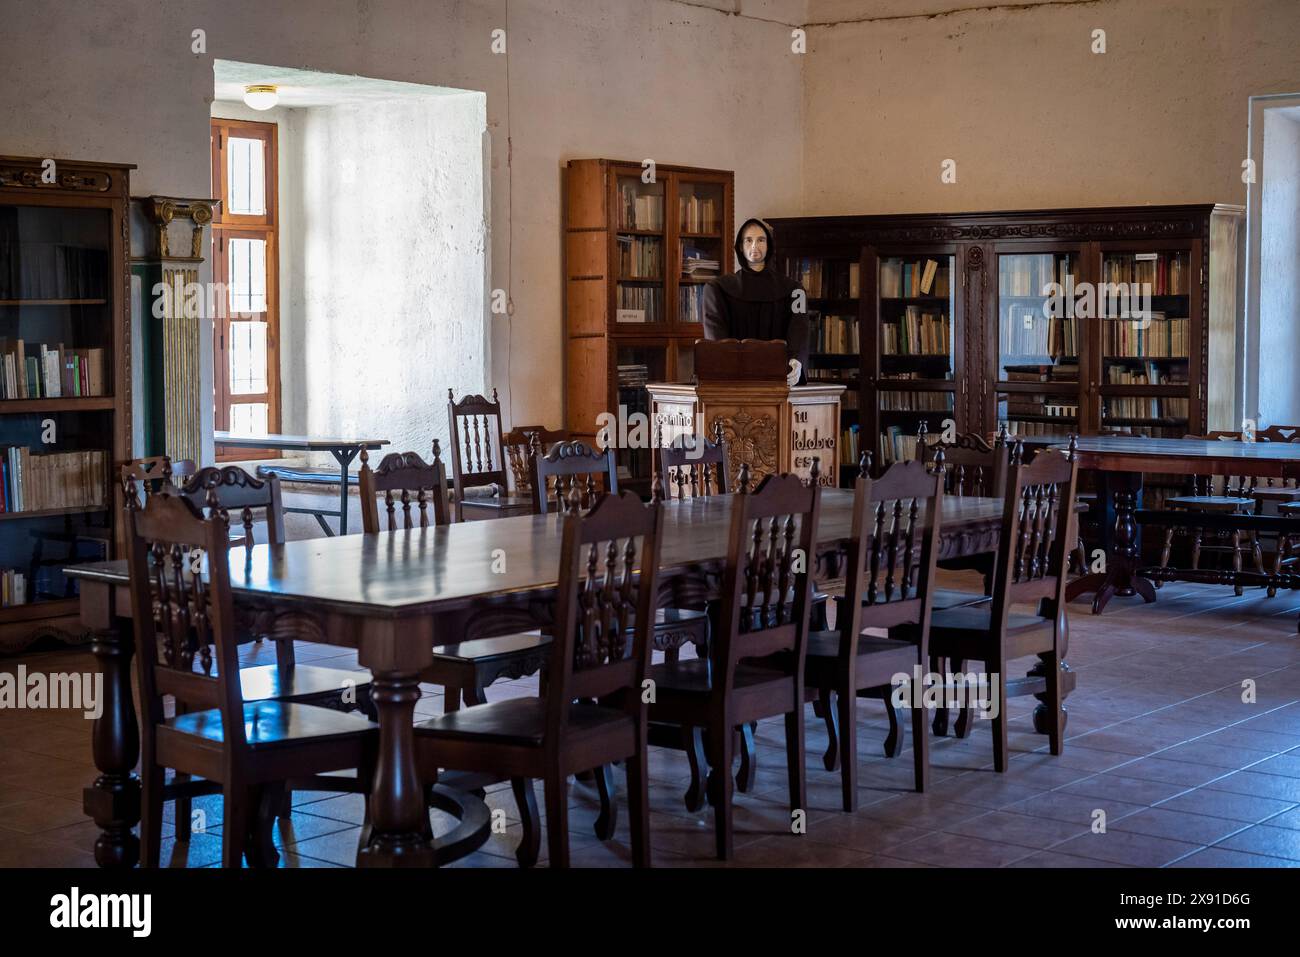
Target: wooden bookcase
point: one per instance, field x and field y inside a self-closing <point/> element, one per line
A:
<point x="64" y="285"/>
<point x="632" y="308"/>
<point x="976" y="346"/>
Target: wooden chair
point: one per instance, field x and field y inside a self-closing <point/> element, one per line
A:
<point x="891" y="564"/>
<point x="593" y="713"/>
<point x="585" y="468"/>
<point x="755" y="667"/>
<point x="141" y="478"/>
<point x="1223" y="495"/>
<point x="1036" y="537"/>
<point x="518" y="442"/>
<point x="185" y="625"/>
<point x="466" y="667"/>
<point x="478" y="460"/>
<point x="695" y="463"/>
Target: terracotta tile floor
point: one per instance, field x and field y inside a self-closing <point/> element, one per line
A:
<point x="1160" y="743"/>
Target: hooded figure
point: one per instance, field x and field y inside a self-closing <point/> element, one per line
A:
<point x="757" y="302"/>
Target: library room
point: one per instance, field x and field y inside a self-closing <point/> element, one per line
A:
<point x="501" y="434"/>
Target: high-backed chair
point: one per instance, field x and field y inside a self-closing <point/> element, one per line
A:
<point x="463" y="668"/>
<point x="1221" y="495"/>
<point x="518" y="443"/>
<point x="479" y="461"/>
<point x="593" y="713"/>
<point x="141" y="478"/>
<point x="567" y="467"/>
<point x="1037" y="534"/>
<point x="693" y="466"/>
<point x="888" y="583"/>
<point x="755" y="667"/>
<point x="184" y="619"/>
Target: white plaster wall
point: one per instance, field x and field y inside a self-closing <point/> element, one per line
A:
<point x="119" y="82"/>
<point x="1279" y="265"/>
<point x="1013" y="93"/>
<point x="386" y="298"/>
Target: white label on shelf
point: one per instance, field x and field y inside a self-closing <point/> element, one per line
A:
<point x="630" y="315"/>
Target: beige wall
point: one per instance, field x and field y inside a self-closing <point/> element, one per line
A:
<point x="621" y="78"/>
<point x="1033" y="118"/>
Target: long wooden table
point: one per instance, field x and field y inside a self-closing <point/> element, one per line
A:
<point x="393" y="596"/>
<point x="1121" y="461"/>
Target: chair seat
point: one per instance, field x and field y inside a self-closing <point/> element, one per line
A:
<point x="977" y="618"/>
<point x="1279" y="493"/>
<point x="487" y="650"/>
<point x="499" y="502"/>
<point x="694" y="676"/>
<point x="826" y="644"/>
<point x="268" y="724"/>
<point x="520" y="721"/>
<point x="677" y="616"/>
<point x="945" y="598"/>
<point x="1210" y="503"/>
<point x="266" y="682"/>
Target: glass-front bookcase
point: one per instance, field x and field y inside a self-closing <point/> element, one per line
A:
<point x="62" y="336"/>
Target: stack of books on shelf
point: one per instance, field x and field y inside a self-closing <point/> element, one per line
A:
<point x="826" y="278"/>
<point x="835" y="334"/>
<point x="1165" y="273"/>
<point x="37" y="371"/>
<point x="13" y="588"/>
<point x="699" y="214"/>
<point x="903" y="280"/>
<point x="638" y="210"/>
<point x="917" y="333"/>
<point x="1147" y="373"/>
<point x="696" y="262"/>
<point x="897" y="444"/>
<point x="690" y="303"/>
<point x="35" y="270"/>
<point x="1066" y="370"/>
<point x="638" y="257"/>
<point x="1144" y="407"/>
<point x="34" y="482"/>
<point x="1016" y="427"/>
<point x="915" y="401"/>
<point x="633" y="376"/>
<point x="639" y="304"/>
<point x="1037" y="406"/>
<point x="1031" y="275"/>
<point x="1161" y="337"/>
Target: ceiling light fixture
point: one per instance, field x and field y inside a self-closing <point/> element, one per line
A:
<point x="261" y="97"/>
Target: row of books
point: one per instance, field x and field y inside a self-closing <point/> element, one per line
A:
<point x="1161" y="337"/>
<point x="916" y="333"/>
<point x="699" y="214"/>
<point x="639" y="257"/>
<point x="1142" y="407"/>
<point x="916" y="401"/>
<point x="901" y="279"/>
<point x="34" y="270"/>
<point x="13" y="588"/>
<point x="850" y="448"/>
<point x="1147" y="432"/>
<point x="837" y="334"/>
<point x="690" y="303"/>
<point x="698" y="262"/>
<point x="639" y="304"/>
<point x="1148" y="374"/>
<point x="1030" y="275"/>
<point x="826" y="278"/>
<point x="1064" y="370"/>
<point x="36" y="481"/>
<point x="1027" y="332"/>
<point x="639" y="210"/>
<point x="1166" y="273"/>
<point x="37" y="371"/>
<point x="1016" y="427"/>
<point x="897" y="445"/>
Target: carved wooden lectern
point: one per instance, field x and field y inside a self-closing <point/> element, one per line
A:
<point x="769" y="425"/>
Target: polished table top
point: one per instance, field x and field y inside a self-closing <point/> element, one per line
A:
<point x="1138" y="447"/>
<point x="412" y="572"/>
<point x="307" y="442"/>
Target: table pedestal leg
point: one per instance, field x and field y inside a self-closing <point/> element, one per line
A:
<point x="398" y="834"/>
<point x="344" y="457"/>
<point x="113" y="801"/>
<point x="1123" y="552"/>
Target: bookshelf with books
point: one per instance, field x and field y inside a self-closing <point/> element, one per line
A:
<point x="637" y="257"/>
<point x="64" y="410"/>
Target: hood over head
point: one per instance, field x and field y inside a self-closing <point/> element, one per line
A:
<point x="740" y="249"/>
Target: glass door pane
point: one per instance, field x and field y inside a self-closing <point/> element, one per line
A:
<point x="246" y="176"/>
<point x="637" y="365"/>
<point x="640" y="277"/>
<point x="916" y="309"/>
